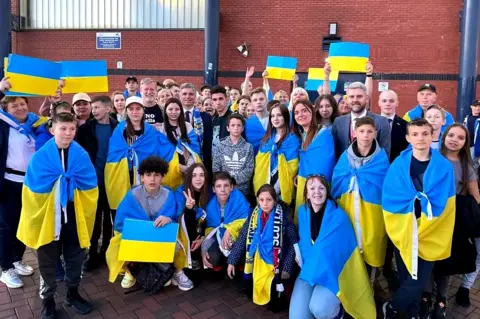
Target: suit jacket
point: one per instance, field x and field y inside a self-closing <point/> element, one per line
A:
<point x="341" y="132"/>
<point x="399" y="142"/>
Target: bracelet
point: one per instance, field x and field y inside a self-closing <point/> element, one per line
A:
<point x="369" y="75"/>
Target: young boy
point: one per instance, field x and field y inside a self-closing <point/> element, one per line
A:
<point x="256" y="126"/>
<point x="131" y="87"/>
<point x="219" y="122"/>
<point x="418" y="202"/>
<point x="94" y="137"/>
<point x="149" y="201"/>
<point x="60" y="189"/>
<point x="357" y="187"/>
<point x="226" y="214"/>
<point x="234" y="155"/>
<point x="435" y="115"/>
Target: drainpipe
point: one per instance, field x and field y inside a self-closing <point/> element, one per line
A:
<point x="5" y="32"/>
<point x="212" y="41"/>
<point x="467" y="80"/>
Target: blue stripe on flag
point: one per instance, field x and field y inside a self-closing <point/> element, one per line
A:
<point x="353" y="49"/>
<point x="83" y="68"/>
<point x="33" y="67"/>
<point x="141" y="230"/>
<point x="282" y="62"/>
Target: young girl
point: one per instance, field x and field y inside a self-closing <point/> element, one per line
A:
<point x="327" y="246"/>
<point x="435" y="115"/>
<point x="277" y="160"/>
<point x="267" y="240"/>
<point x="183" y="146"/>
<point x="243" y="102"/>
<point x="327" y="110"/>
<point x="317" y="155"/>
<point x="118" y="100"/>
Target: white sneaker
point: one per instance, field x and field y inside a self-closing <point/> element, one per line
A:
<point x="23" y="269"/>
<point x="128" y="281"/>
<point x="10" y="278"/>
<point x="181" y="280"/>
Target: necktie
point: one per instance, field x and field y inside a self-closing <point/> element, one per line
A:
<point x="187" y="117"/>
<point x="390" y="122"/>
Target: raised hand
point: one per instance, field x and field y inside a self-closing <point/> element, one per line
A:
<point x="189" y="200"/>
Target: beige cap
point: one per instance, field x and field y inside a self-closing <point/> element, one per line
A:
<point x="81" y="97"/>
<point x="132" y="100"/>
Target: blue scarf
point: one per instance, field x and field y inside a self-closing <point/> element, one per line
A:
<point x="27" y="128"/>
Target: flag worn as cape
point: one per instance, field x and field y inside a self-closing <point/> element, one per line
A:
<point x="359" y="193"/>
<point x="334" y="261"/>
<point x="318" y="158"/>
<point x="168" y="152"/>
<point x="131" y="208"/>
<point x="283" y="158"/>
<point x="48" y="188"/>
<point x="254" y="132"/>
<point x="430" y="236"/>
<point x="417" y="113"/>
<point x="122" y="158"/>
<point x="236" y="212"/>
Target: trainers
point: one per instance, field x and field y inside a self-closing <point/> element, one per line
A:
<point x="76" y="301"/>
<point x="440" y="311"/>
<point x="48" y="309"/>
<point x="128" y="281"/>
<point x="181" y="280"/>
<point x="388" y="312"/>
<point x="23" y="269"/>
<point x="463" y="297"/>
<point x="425" y="308"/>
<point x="11" y="279"/>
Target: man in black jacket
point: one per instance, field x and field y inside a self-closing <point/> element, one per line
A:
<point x="94" y="137"/>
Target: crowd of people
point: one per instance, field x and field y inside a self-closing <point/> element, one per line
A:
<point x="309" y="202"/>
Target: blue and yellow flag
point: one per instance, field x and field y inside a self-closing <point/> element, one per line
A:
<point x="334" y="261"/>
<point x="84" y="76"/>
<point x="358" y="191"/>
<point x="317" y="159"/>
<point x="281" y="160"/>
<point x="122" y="158"/>
<point x="349" y="56"/>
<point x="169" y="153"/>
<point x="430" y="236"/>
<point x="29" y="128"/>
<point x="417" y="113"/>
<point x="316" y="78"/>
<point x="130" y="208"/>
<point x="281" y="67"/>
<point x="235" y="213"/>
<point x="47" y="190"/>
<point x="254" y="132"/>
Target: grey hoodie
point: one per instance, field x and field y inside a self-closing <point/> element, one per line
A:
<point x="238" y="160"/>
<point x="356" y="161"/>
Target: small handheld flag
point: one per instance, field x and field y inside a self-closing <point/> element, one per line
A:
<point x="316" y="78"/>
<point x="349" y="56"/>
<point x="281" y="68"/>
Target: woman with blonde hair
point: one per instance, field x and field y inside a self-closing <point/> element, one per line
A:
<point x="118" y="100"/>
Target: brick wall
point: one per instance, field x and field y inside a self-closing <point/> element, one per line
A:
<point x="407" y="36"/>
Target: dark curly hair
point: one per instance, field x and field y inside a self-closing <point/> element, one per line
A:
<point x="153" y="164"/>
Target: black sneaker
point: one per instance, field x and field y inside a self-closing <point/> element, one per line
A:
<point x="388" y="312"/>
<point x="463" y="297"/>
<point x="425" y="307"/>
<point x="92" y="262"/>
<point x="76" y="301"/>
<point x="440" y="311"/>
<point x="48" y="309"/>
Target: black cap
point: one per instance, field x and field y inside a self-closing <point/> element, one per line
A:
<point x="475" y="103"/>
<point x="427" y="86"/>
<point x="205" y="86"/>
<point x="131" y="77"/>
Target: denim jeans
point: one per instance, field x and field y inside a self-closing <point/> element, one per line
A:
<point x="469" y="279"/>
<point x="316" y="301"/>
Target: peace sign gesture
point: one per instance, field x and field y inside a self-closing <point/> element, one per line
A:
<point x="190" y="201"/>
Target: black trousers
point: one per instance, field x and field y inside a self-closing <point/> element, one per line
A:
<point x="11" y="249"/>
<point x="73" y="256"/>
<point x="104" y="219"/>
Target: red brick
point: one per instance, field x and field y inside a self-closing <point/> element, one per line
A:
<point x="24" y="312"/>
<point x="144" y="313"/>
<point x="188" y="307"/>
<point x="7" y="313"/>
<point x="205" y="314"/>
<point x="152" y="304"/>
<point x="4" y="298"/>
<point x="181" y="315"/>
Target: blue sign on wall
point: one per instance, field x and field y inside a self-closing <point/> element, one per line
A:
<point x="109" y="40"/>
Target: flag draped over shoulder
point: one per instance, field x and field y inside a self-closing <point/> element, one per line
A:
<point x="359" y="194"/>
<point x="48" y="188"/>
<point x="131" y="208"/>
<point x="254" y="132"/>
<point x="334" y="261"/>
<point x="283" y="159"/>
<point x="28" y="128"/>
<point x="318" y="158"/>
<point x="122" y="158"/>
<point x="430" y="236"/>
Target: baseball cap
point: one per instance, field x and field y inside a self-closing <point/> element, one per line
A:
<point x="81" y="97"/>
<point x="131" y="77"/>
<point x="475" y="103"/>
<point x="132" y="100"/>
<point x="427" y="86"/>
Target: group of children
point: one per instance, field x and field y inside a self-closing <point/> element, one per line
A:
<point x="307" y="203"/>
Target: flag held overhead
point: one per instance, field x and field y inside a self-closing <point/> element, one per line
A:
<point x="281" y="68"/>
<point x="316" y="78"/>
<point x="349" y="56"/>
<point x="84" y="76"/>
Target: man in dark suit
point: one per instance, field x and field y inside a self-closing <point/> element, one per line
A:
<point x="388" y="102"/>
<point x="342" y="128"/>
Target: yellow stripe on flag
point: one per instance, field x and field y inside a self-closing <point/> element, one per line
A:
<point x="143" y="251"/>
<point x="86" y="84"/>
<point x="280" y="74"/>
<point x="32" y="84"/>
<point x="348" y="64"/>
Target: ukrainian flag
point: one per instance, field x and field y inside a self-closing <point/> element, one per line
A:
<point x="334" y="261"/>
<point x="316" y="78"/>
<point x="254" y="132"/>
<point x="32" y="76"/>
<point x="84" y="76"/>
<point x="349" y="56"/>
<point x="48" y="188"/>
<point x="281" y="68"/>
<point x="430" y="236"/>
<point x="358" y="191"/>
<point x="417" y="113"/>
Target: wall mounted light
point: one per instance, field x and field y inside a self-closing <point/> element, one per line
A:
<point x="243" y="49"/>
<point x="332" y="29"/>
<point x="332" y="36"/>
